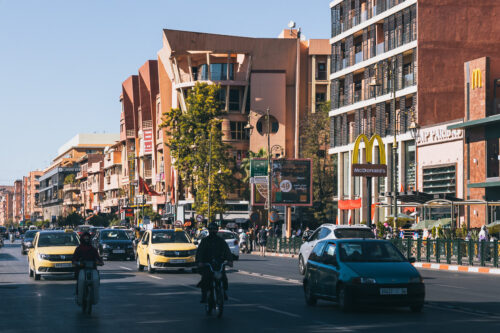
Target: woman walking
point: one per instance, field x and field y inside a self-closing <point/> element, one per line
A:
<point x="263" y="241"/>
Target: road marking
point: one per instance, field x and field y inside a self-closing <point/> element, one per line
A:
<point x="128" y="269"/>
<point x="270" y="277"/>
<point x="155" y="277"/>
<point x="279" y="311"/>
<point x="445" y="285"/>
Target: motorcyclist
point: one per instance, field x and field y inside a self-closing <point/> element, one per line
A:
<point x="243" y="239"/>
<point x="85" y="252"/>
<point x="211" y="248"/>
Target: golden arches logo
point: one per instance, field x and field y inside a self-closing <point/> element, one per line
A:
<point x="477" y="80"/>
<point x="369" y="148"/>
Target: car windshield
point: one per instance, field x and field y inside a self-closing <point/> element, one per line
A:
<point x="226" y="235"/>
<point x="114" y="235"/>
<point x="169" y="237"/>
<point x="83" y="228"/>
<point x="369" y="252"/>
<point x="57" y="239"/>
<point x="353" y="233"/>
<point x="30" y="234"/>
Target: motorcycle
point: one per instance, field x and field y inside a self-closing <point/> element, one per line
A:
<point x="12" y="237"/>
<point x="88" y="286"/>
<point x="244" y="247"/>
<point x="215" y="300"/>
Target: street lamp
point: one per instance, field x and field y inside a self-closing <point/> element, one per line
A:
<point x="413" y="128"/>
<point x="249" y="127"/>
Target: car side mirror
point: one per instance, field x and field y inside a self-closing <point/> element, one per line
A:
<point x="412" y="260"/>
<point x="195" y="242"/>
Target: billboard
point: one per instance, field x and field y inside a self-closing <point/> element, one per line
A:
<point x="148" y="141"/>
<point x="291" y="184"/>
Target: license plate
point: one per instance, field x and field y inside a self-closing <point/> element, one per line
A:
<point x="64" y="265"/>
<point x="393" y="291"/>
<point x="118" y="251"/>
<point x="177" y="261"/>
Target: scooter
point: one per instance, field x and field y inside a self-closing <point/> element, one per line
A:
<point x="244" y="247"/>
<point x="215" y="299"/>
<point x="12" y="237"/>
<point x="88" y="286"/>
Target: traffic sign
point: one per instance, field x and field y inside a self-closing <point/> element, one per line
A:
<point x="199" y="218"/>
<point x="254" y="217"/>
<point x="178" y="223"/>
<point x="273" y="217"/>
<point x="258" y="167"/>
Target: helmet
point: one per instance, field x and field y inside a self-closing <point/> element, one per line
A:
<point x="213" y="226"/>
<point x="85" y="235"/>
<point x="240" y="230"/>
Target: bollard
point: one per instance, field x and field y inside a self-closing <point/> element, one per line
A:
<point x="470" y="252"/>
<point x="459" y="251"/>
<point x="448" y="251"/>
<point x="482" y="251"/>
<point x="438" y="250"/>
<point x="428" y="250"/>
<point x="419" y="249"/>
<point x="495" y="253"/>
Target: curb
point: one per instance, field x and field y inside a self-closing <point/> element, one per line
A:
<point x="457" y="268"/>
<point x="423" y="265"/>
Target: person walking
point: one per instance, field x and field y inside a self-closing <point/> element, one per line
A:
<point x="263" y="241"/>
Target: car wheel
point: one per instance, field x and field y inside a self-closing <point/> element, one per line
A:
<point x="37" y="276"/>
<point x="151" y="270"/>
<point x="417" y="307"/>
<point x="302" y="265"/>
<point x="308" y="295"/>
<point x="30" y="271"/>
<point x="344" y="299"/>
<point x="140" y="268"/>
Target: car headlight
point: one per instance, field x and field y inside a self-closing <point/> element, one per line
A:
<point x="363" y="280"/>
<point x="106" y="246"/>
<point x="416" y="279"/>
<point x="159" y="252"/>
<point x="43" y="256"/>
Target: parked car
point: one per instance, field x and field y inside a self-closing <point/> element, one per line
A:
<point x="3" y="232"/>
<point x="330" y="231"/>
<point x="27" y="240"/>
<point x="93" y="231"/>
<point x="232" y="240"/>
<point x="113" y="243"/>
<point x="364" y="272"/>
<point x="82" y="228"/>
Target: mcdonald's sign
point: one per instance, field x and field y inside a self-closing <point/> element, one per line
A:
<point x="369" y="169"/>
<point x="477" y="80"/>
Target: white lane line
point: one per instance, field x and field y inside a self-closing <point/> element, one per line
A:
<point x="270" y="277"/>
<point x="155" y="277"/>
<point x="128" y="269"/>
<point x="445" y="285"/>
<point x="279" y="311"/>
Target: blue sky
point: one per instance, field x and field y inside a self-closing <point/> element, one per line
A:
<point x="62" y="62"/>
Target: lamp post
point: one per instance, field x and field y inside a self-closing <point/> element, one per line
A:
<point x="414" y="128"/>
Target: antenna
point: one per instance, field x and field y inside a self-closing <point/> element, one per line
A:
<point x="291" y="24"/>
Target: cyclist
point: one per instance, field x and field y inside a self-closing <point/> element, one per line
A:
<point x="212" y="248"/>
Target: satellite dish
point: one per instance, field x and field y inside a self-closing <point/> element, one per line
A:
<point x="291" y="24"/>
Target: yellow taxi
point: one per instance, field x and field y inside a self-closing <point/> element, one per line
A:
<point x="51" y="252"/>
<point x="163" y="249"/>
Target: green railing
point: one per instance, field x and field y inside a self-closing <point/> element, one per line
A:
<point x="449" y="251"/>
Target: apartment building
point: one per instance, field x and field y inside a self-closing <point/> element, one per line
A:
<point x="319" y="68"/>
<point x="17" y="201"/>
<point x="412" y="39"/>
<point x="51" y="191"/>
<point x="481" y="140"/>
<point x="112" y="166"/>
<point x="6" y="193"/>
<point x="31" y="185"/>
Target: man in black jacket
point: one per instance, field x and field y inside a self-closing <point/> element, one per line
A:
<point x="212" y="248"/>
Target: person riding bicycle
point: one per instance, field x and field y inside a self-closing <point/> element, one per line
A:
<point x="212" y="248"/>
<point x="85" y="252"/>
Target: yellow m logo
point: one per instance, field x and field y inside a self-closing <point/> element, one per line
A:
<point x="477" y="80"/>
<point x="369" y="148"/>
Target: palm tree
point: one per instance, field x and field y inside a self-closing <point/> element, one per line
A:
<point x="245" y="163"/>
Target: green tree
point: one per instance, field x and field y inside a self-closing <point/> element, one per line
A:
<point x="72" y="219"/>
<point x="245" y="171"/>
<point x="188" y="136"/>
<point x="315" y="133"/>
<point x="69" y="179"/>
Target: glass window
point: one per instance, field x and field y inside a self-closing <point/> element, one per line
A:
<point x="410" y="165"/>
<point x="318" y="249"/>
<point x="114" y="235"/>
<point x="347" y="167"/>
<point x="353" y="233"/>
<point x="324" y="233"/>
<point x="262" y="125"/>
<point x="314" y="236"/>
<point x="226" y="235"/>
<point x="169" y="236"/>
<point x="330" y="250"/>
<point x="369" y="252"/>
<point x="218" y="72"/>
<point x="492" y="153"/>
<point x="238" y="131"/>
<point x="234" y="99"/>
<point x="58" y="239"/>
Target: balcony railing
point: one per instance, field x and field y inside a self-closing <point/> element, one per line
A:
<point x="359" y="57"/>
<point x="357" y="96"/>
<point x="147" y="124"/>
<point x="408" y="80"/>
<point x="380" y="48"/>
<point x="130" y="133"/>
<point x="147" y="173"/>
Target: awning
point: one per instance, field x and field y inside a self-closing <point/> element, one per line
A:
<point x="477" y="122"/>
<point x="483" y="185"/>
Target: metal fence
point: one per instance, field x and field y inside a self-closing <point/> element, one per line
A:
<point x="449" y="251"/>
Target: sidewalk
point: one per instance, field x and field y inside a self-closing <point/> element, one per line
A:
<point x="423" y="265"/>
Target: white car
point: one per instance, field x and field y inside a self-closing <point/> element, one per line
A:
<point x="331" y="231"/>
<point x="231" y="238"/>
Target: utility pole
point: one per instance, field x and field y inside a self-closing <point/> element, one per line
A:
<point x="269" y="168"/>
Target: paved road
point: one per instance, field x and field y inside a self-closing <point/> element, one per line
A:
<point x="265" y="295"/>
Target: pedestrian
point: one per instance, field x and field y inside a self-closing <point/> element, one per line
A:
<point x="263" y="241"/>
<point x="425" y="234"/>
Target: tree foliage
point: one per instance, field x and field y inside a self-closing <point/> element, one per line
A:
<point x="315" y="134"/>
<point x="245" y="170"/>
<point x="188" y="136"/>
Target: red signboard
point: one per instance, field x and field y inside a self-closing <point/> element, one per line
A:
<point x="148" y="141"/>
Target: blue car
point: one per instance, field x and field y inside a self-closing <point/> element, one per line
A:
<point x="362" y="272"/>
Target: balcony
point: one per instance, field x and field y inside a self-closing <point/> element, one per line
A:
<point x="380" y="48"/>
<point x="147" y="124"/>
<point x="357" y="96"/>
<point x="359" y="57"/>
<point x="147" y="174"/>
<point x="71" y="187"/>
<point x="130" y="133"/>
<point x="408" y="80"/>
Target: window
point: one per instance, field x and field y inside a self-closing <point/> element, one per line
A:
<point x="218" y="72"/>
<point x="324" y="233"/>
<point x="410" y="165"/>
<point x="321" y="71"/>
<point x="441" y="179"/>
<point x="221" y="97"/>
<point x="314" y="236"/>
<point x="492" y="166"/>
<point x="262" y="125"/>
<point x="234" y="99"/>
<point x="238" y="131"/>
<point x="320" y="98"/>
